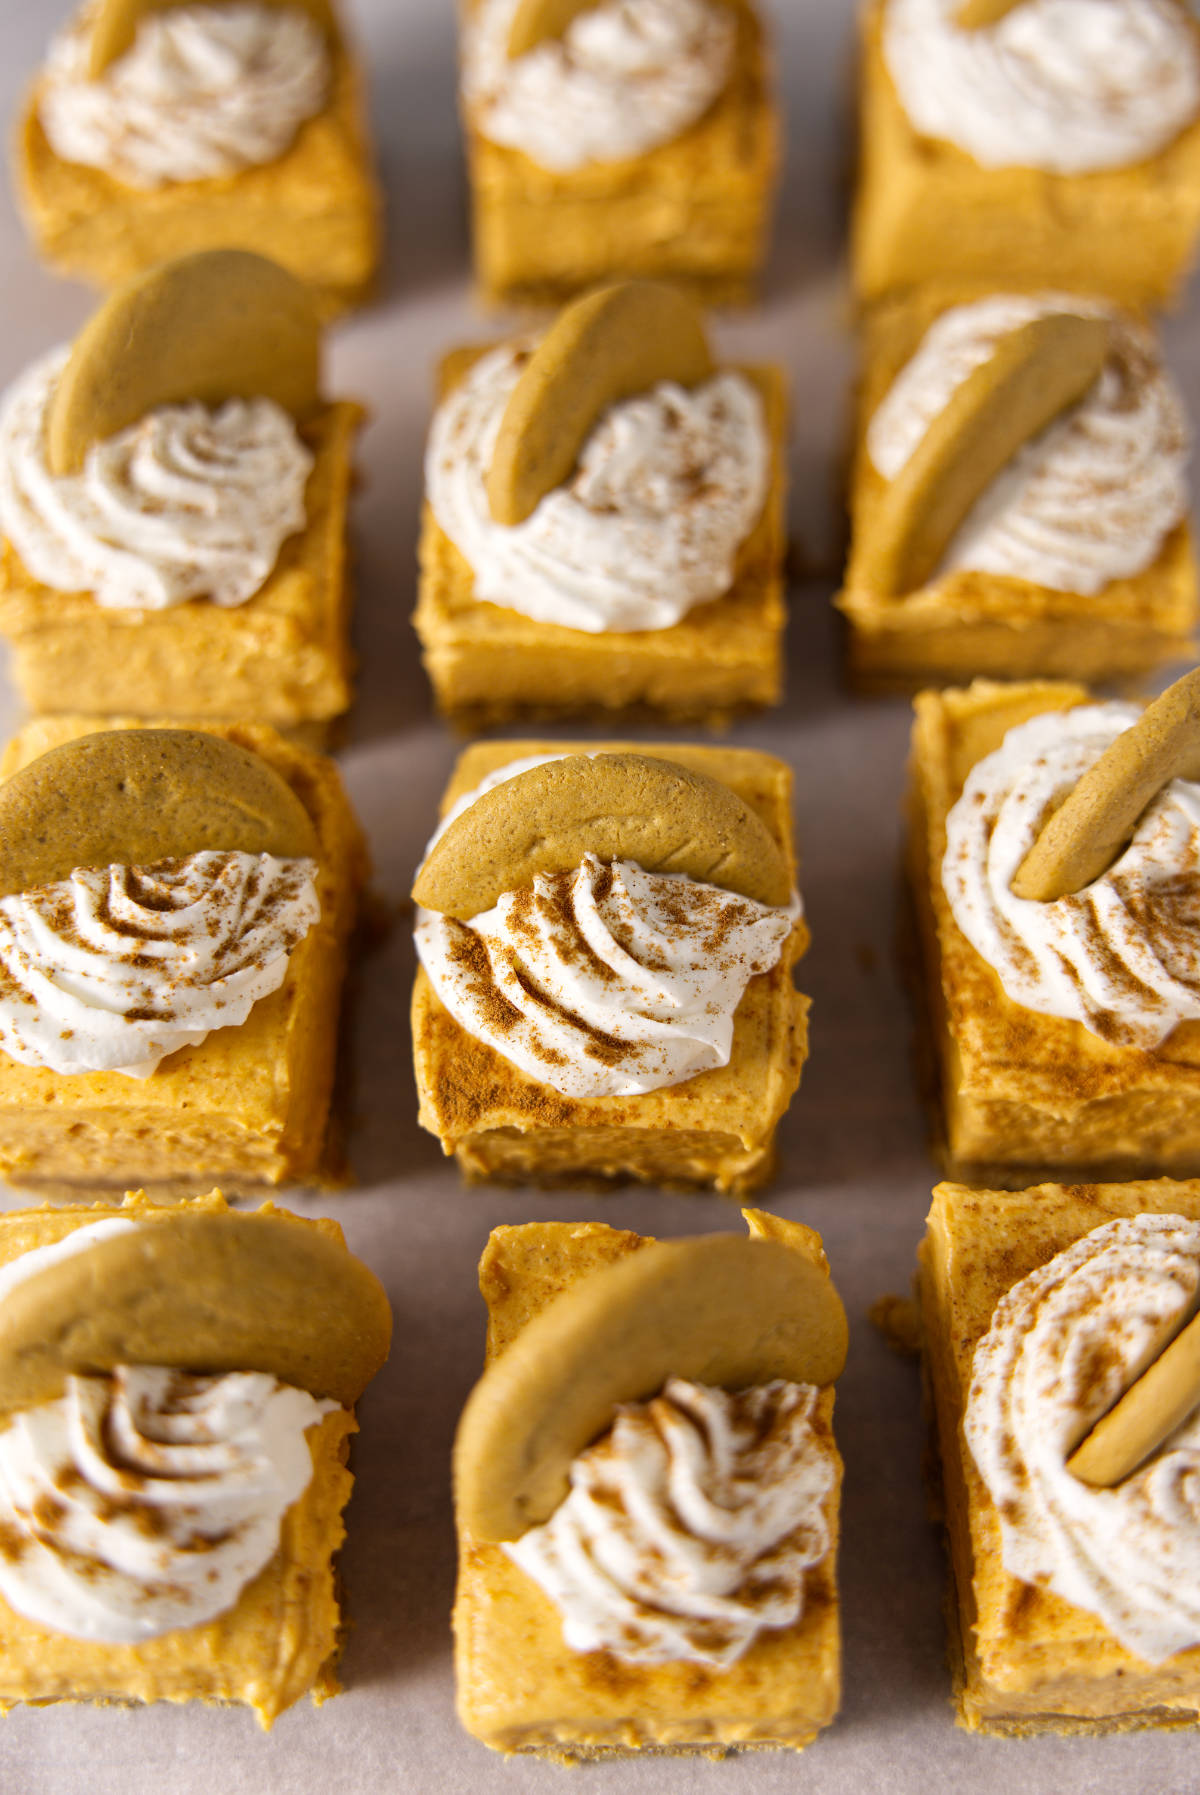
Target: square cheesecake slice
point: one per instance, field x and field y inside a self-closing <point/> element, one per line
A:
<point x="716" y="1128"/>
<point x="1017" y="1094"/>
<point x="249" y="1106"/>
<point x="522" y="1689"/>
<point x="696" y="210"/>
<point x="316" y="209"/>
<point x="963" y="621"/>
<point x="283" y="1634"/>
<point x="489" y="664"/>
<point x="282" y="658"/>
<point x="926" y="210"/>
<point x="1024" y="1658"/>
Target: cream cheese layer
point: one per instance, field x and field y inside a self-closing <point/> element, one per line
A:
<point x="1062" y="85"/>
<point x="1089" y="500"/>
<point x="189" y="502"/>
<point x="606" y="980"/>
<point x="690" y="1526"/>
<point x="203" y="92"/>
<point x="667" y="487"/>
<point x="1063" y="1346"/>
<point x="626" y="76"/>
<point x="1122" y="956"/>
<point x="118" y="966"/>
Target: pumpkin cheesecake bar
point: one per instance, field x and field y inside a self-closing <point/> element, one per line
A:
<point x="1068" y="554"/>
<point x="1065" y="1034"/>
<point x="154" y="131"/>
<point x="615" y="997"/>
<point x="707" y="1361"/>
<point x="1040" y="147"/>
<point x="1073" y="1607"/>
<point x="177" y="1391"/>
<point x="648" y="573"/>
<point x="234" y="860"/>
<point x="174" y="491"/>
<point x="596" y="149"/>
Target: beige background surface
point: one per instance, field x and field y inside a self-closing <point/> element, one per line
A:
<point x="853" y="1162"/>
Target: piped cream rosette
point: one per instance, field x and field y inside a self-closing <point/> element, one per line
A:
<point x="153" y="885"/>
<point x="605" y="476"/>
<point x="648" y="1447"/>
<point x="161" y="1376"/>
<point x="597" y="918"/>
<point x="159" y="459"/>
<point x="154" y="93"/>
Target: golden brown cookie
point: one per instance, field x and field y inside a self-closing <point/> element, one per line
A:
<point x="1034" y="373"/>
<point x="1161" y="1400"/>
<point x="536" y="20"/>
<point x="973" y="14"/>
<point x="132" y="796"/>
<point x="116" y="22"/>
<point x="605" y="347"/>
<point x="220" y="324"/>
<point x="715" y="1308"/>
<point x="667" y="818"/>
<point x="203" y="1293"/>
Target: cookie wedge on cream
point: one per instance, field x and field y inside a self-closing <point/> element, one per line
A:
<point x="156" y="128"/>
<point x="172" y="1477"/>
<point x="173" y="506"/>
<point x="1065" y="1033"/>
<point x="603" y="143"/>
<point x="704" y="1394"/>
<point x="1073" y="1608"/>
<point x="169" y="1002"/>
<point x="1074" y="556"/>
<point x="1032" y="143"/>
<point x="621" y="1004"/>
<point x="604" y="522"/>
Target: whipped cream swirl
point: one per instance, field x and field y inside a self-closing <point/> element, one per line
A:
<point x="1064" y="85"/>
<point x="118" y="966"/>
<point x="667" y="487"/>
<point x="146" y="1500"/>
<point x="1089" y="500"/>
<point x="1063" y="1345"/>
<point x="203" y="91"/>
<point x="625" y="76"/>
<point x="187" y="503"/>
<point x="1122" y="956"/>
<point x="607" y="980"/>
<point x="690" y="1526"/>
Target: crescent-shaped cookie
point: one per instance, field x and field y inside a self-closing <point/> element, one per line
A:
<point x="974" y="15"/>
<point x="220" y="324"/>
<point x="115" y="24"/>
<point x="715" y="1308"/>
<point x="667" y="818"/>
<point x="132" y="796"/>
<point x="536" y="20"/>
<point x="202" y="1293"/>
<point x="605" y="347"/>
<point x="1153" y="1407"/>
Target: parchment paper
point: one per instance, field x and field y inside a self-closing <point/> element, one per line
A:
<point x="853" y="1161"/>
